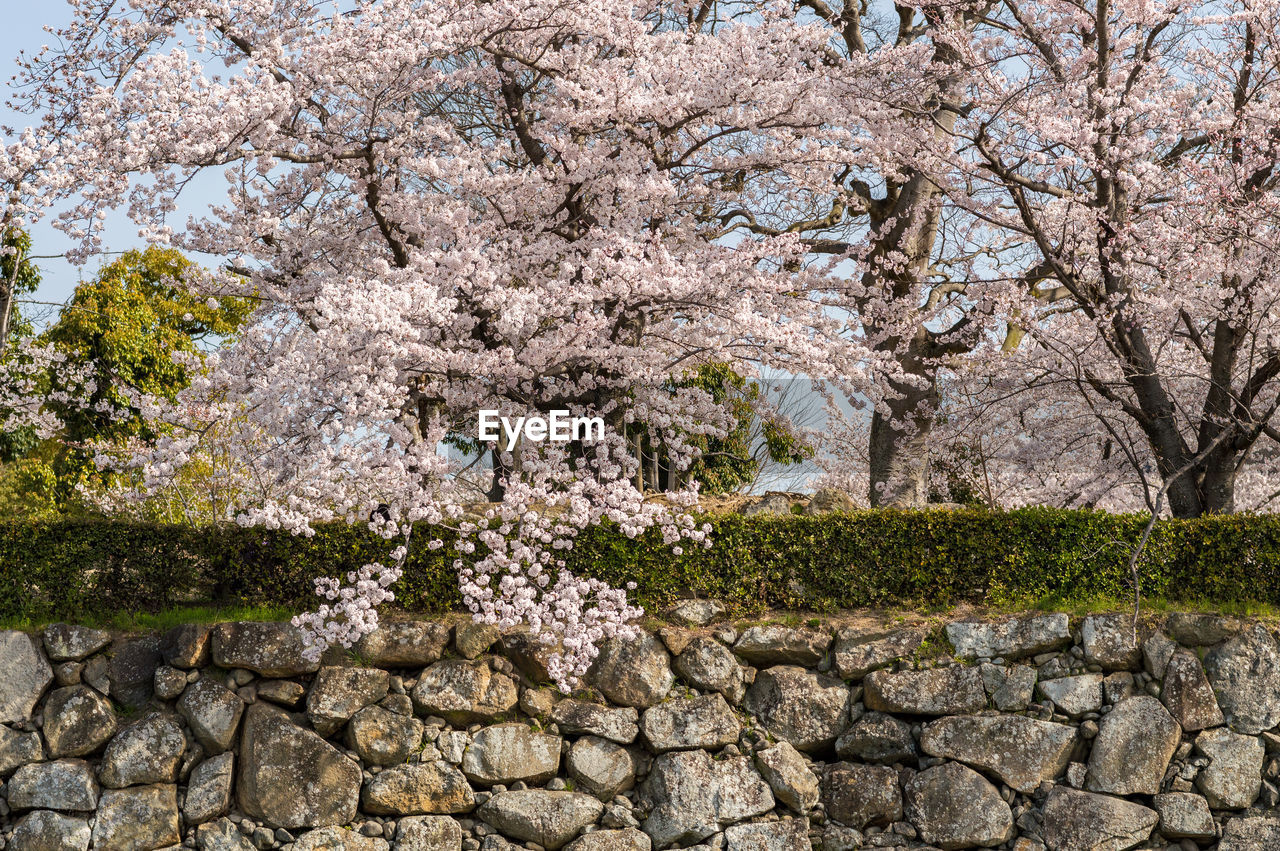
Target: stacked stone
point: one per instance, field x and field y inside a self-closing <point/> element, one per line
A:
<point x="1025" y="734"/>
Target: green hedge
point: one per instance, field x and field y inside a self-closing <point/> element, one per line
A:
<point x="908" y="558"/>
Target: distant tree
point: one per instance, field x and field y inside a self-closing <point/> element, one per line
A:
<point x="140" y="333"/>
<point x="18" y="276"/>
<point x="751" y="437"/>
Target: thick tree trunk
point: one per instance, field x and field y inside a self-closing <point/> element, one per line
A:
<point x="899" y="452"/>
<point x="1219" y="489"/>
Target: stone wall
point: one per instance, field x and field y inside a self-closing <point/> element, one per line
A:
<point x="1024" y="734"/>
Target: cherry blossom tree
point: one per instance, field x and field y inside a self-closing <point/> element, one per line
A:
<point x="893" y="250"/>
<point x="448" y="206"/>
<point x="1125" y="157"/>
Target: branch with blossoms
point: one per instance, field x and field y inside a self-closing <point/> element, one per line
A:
<point x="39" y="385"/>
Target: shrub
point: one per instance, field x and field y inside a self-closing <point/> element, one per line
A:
<point x="865" y="558"/>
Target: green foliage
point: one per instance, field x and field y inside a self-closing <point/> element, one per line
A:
<point x="726" y="464"/>
<point x="17" y="270"/>
<point x="74" y="568"/>
<point x="920" y="559"/>
<point x="127" y="323"/>
<point x="729" y="464"/>
<point x="25" y="277"/>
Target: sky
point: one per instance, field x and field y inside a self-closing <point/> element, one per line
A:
<point x="23" y="29"/>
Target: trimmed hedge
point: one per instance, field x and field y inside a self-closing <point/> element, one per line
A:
<point x="887" y="557"/>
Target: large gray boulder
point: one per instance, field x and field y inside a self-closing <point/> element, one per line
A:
<point x="45" y="830"/>
<point x="1187" y="693"/>
<point x="420" y="788"/>
<point x="471" y="638"/>
<point x="186" y="646"/>
<point x="531" y="654"/>
<point x="209" y="789"/>
<point x="1083" y="821"/>
<point x="221" y="835"/>
<point x="24" y="675"/>
<point x="877" y="737"/>
<point x="788" y="834"/>
<point x="625" y="839"/>
<point x="600" y="767"/>
<point x="132" y="670"/>
<point x="1199" y="629"/>
<point x="1021" y="751"/>
<point x="338" y="693"/>
<point x="383" y="737"/>
<point x="290" y="777"/>
<point x="1245" y="674"/>
<point x="17" y="748"/>
<point x="708" y="665"/>
<point x="64" y="642"/>
<point x="1133" y="747"/>
<point x="579" y="717"/>
<point x="695" y="797"/>
<point x="1010" y="688"/>
<point x="404" y="644"/>
<point x="1253" y="833"/>
<point x="267" y="649"/>
<point x="694" y="613"/>
<point x="858" y="795"/>
<point x="550" y="819"/>
<point x="955" y="807"/>
<point x="77" y="721"/>
<point x="507" y="753"/>
<point x="691" y="722"/>
<point x="799" y="706"/>
<point x="464" y="692"/>
<point x="1157" y="650"/>
<point x="338" y="839"/>
<point x="141" y="818"/>
<point x="633" y="672"/>
<point x="428" y="833"/>
<point x="954" y="690"/>
<point x="1075" y="696"/>
<point x="771" y="644"/>
<point x="858" y="653"/>
<point x="213" y="712"/>
<point x="1109" y="641"/>
<point x="1233" y="777"/>
<point x="1010" y="639"/>
<point x="1184" y="815"/>
<point x="148" y="751"/>
<point x="789" y="776"/>
<point x="65" y="784"/>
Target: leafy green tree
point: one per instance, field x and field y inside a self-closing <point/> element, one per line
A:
<point x="726" y="464"/>
<point x="127" y="323"/>
<point x="18" y="277"/>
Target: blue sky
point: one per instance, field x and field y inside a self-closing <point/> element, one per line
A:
<point x="23" y="30"/>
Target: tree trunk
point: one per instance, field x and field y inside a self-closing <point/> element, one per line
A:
<point x="496" y="489"/>
<point x="6" y="312"/>
<point x="899" y="452"/>
<point x="1219" y="489"/>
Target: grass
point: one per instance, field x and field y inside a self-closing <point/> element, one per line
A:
<point x="1078" y="606"/>
<point x="162" y="620"/>
<point x="1150" y="606"/>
